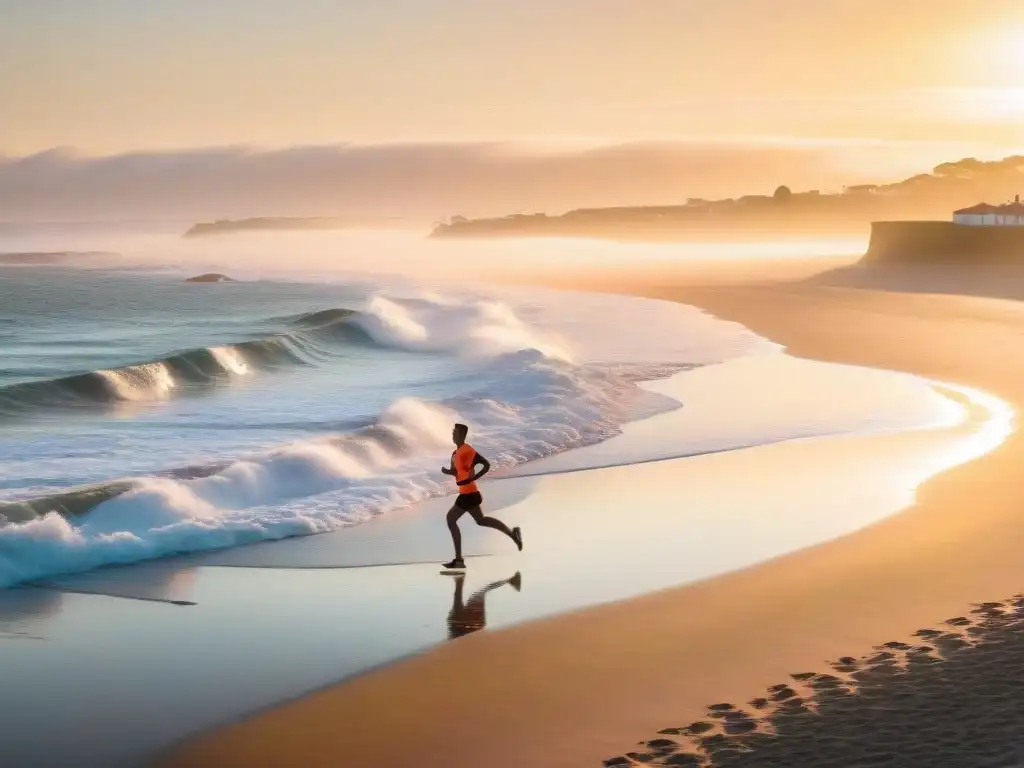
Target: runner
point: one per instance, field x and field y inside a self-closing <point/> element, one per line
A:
<point x="464" y="462"/>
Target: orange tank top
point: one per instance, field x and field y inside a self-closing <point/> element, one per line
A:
<point x="463" y="458"/>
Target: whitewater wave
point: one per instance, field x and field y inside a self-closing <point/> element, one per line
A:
<point x="306" y="487"/>
<point x="405" y="427"/>
<point x="320" y="484"/>
<point x="475" y="329"/>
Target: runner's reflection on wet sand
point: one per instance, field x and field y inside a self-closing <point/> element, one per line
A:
<point x="470" y="616"/>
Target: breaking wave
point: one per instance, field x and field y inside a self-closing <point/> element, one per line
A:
<point x="313" y="338"/>
<point x="483" y="328"/>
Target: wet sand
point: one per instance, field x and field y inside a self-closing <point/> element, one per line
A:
<point x="181" y="646"/>
<point x="584" y="687"/>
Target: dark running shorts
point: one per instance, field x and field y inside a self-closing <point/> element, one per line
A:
<point x="468" y="501"/>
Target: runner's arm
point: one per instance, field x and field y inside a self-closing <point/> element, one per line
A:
<point x="486" y="467"/>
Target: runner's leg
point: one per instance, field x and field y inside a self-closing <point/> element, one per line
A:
<point x="453" y="527"/>
<point x="491" y="522"/>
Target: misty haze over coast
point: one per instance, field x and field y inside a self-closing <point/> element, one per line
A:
<point x="428" y="181"/>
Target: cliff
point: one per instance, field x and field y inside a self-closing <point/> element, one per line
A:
<point x="921" y="242"/>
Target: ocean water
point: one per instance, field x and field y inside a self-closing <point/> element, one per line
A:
<point x="143" y="416"/>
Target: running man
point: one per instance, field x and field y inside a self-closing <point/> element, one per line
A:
<point x="464" y="462"/>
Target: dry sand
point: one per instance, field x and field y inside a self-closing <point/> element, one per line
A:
<point x="954" y="698"/>
<point x="584" y="687"/>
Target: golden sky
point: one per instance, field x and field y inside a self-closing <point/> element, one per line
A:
<point x="109" y="76"/>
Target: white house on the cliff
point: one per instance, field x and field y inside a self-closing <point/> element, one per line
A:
<point x="983" y="214"/>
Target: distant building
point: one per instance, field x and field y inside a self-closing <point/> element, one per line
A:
<point x="1013" y="214"/>
<point x="983" y="214"/>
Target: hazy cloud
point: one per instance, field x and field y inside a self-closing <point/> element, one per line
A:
<point x="426" y="181"/>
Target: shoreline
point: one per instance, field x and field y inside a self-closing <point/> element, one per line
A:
<point x="294" y="618"/>
<point x="610" y="697"/>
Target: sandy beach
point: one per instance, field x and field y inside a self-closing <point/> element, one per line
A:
<point x="441" y="385"/>
<point x="623" y="682"/>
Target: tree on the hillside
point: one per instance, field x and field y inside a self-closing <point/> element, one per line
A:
<point x="965" y="168"/>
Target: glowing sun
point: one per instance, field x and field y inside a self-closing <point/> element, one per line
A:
<point x="1005" y="54"/>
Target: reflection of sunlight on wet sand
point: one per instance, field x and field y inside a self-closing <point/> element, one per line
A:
<point x="985" y="433"/>
<point x="180" y="584"/>
<point x="678" y="521"/>
<point x="161" y="581"/>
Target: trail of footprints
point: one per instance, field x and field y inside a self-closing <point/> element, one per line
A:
<point x="953" y="697"/>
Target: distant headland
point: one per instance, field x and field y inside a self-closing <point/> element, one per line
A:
<point x="690" y="222"/>
<point x="852" y="210"/>
<point x="283" y="223"/>
<point x="210" y="277"/>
